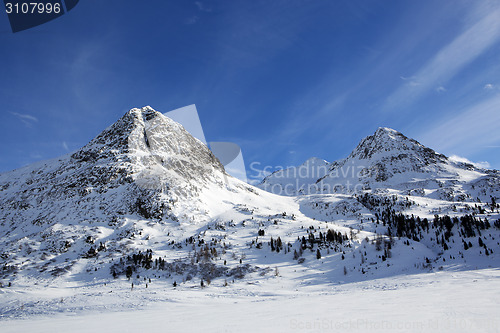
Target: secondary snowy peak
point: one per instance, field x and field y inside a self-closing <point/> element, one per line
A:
<point x="386" y="153"/>
<point x="385" y="159"/>
<point x="389" y="142"/>
<point x="292" y="178"/>
<point x="313" y="167"/>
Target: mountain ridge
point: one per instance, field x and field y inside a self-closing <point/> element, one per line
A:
<point x="145" y="201"/>
<point x="386" y="158"/>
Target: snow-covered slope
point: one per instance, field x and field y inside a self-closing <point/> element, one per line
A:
<point x="143" y="183"/>
<point x="144" y="166"/>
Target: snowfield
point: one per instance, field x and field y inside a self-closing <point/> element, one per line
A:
<point x="448" y="301"/>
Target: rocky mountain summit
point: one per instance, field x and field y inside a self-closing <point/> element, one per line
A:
<point x="140" y="164"/>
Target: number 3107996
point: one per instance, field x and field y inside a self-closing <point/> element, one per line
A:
<point x="32" y="8"/>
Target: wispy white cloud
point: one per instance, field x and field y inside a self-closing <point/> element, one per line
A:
<point x="191" y="20"/>
<point x="65" y="146"/>
<point x="452" y="58"/>
<point x="202" y="7"/>
<point x="440" y="89"/>
<point x="314" y="111"/>
<point x="195" y="18"/>
<point x="27" y="119"/>
<point x="469" y="131"/>
<point x="491" y="87"/>
<point x="460" y="159"/>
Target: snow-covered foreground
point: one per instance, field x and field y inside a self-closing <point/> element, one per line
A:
<point x="447" y="301"/>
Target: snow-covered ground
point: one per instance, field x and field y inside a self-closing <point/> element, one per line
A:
<point x="447" y="301"/>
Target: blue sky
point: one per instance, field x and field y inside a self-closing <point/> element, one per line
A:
<point x="286" y="80"/>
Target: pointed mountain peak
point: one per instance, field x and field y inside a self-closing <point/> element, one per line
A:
<point x="387" y="131"/>
<point x="388" y="152"/>
<point x="386" y="141"/>
<point x="116" y="138"/>
<point x="151" y="143"/>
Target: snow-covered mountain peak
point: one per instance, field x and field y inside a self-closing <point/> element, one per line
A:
<point x="387" y="153"/>
<point x="149" y="141"/>
<point x="386" y="141"/>
<point x="387" y="130"/>
<point x="116" y="136"/>
<point x="141" y="164"/>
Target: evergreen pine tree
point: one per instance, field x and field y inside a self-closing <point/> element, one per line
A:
<point x="128" y="272"/>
